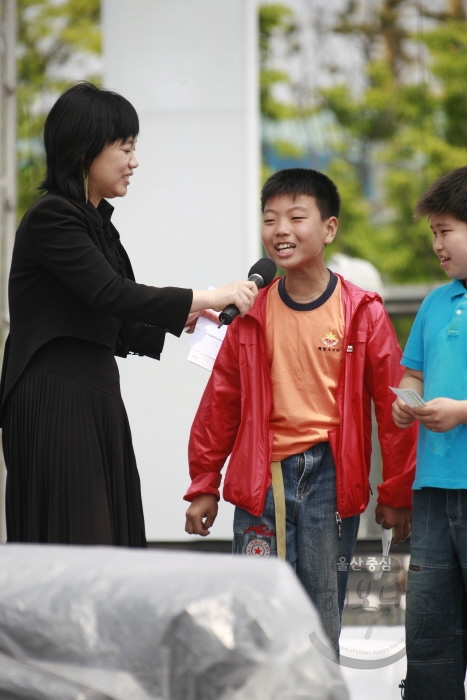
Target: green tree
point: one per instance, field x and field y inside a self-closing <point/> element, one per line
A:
<point x="392" y="136"/>
<point x="277" y="28"/>
<point x="50" y="35"/>
<point x="405" y="129"/>
<point x="431" y="140"/>
<point x="277" y="23"/>
<point x="360" y="121"/>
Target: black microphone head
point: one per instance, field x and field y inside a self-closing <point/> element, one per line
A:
<point x="266" y="268"/>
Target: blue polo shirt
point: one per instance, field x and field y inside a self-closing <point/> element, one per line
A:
<point x="437" y="346"/>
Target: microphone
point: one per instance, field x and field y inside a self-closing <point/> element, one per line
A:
<point x="262" y="273"/>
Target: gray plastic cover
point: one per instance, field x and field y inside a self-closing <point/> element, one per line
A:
<point x="93" y="623"/>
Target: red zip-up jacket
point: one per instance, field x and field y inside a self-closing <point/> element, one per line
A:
<point x="233" y="416"/>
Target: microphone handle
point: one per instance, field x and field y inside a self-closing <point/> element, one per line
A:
<point x="228" y="314"/>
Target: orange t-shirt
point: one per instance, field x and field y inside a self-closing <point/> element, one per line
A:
<point x="305" y="346"/>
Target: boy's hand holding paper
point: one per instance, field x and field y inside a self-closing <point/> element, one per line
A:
<point x="409" y="396"/>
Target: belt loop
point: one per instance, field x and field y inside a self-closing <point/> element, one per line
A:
<point x="279" y="507"/>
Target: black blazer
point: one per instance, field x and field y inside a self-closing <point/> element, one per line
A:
<point x="70" y="276"/>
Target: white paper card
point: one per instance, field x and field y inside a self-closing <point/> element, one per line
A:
<point x="205" y="342"/>
<point x="386" y="539"/>
<point x="409" y="396"/>
<point x="198" y="358"/>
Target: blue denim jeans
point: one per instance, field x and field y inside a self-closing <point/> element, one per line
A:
<point x="436" y="629"/>
<point x="315" y="543"/>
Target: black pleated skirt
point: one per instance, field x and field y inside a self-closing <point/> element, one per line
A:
<point x="71" y="469"/>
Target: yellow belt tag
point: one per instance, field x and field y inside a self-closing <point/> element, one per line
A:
<point x="279" y="507"/>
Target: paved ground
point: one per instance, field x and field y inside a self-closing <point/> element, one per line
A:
<point x="373" y="659"/>
<point x="362" y="647"/>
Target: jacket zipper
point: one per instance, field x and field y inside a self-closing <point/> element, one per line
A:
<point x="340" y="397"/>
<point x="339" y="525"/>
<point x="268" y="385"/>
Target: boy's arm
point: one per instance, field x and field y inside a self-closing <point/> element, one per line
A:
<point x="213" y="435"/>
<point x="397" y="446"/>
<point x="400" y="519"/>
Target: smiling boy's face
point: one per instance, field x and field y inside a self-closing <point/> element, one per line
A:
<point x="450" y="244"/>
<point x="293" y="232"/>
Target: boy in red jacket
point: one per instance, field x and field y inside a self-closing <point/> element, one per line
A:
<point x="289" y="399"/>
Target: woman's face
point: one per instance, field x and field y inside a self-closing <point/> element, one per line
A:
<point x="109" y="173"/>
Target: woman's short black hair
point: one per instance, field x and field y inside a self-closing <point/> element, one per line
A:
<point x="82" y="122"/>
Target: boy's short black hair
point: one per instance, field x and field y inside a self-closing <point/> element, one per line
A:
<point x="83" y="121"/>
<point x="294" y="182"/>
<point x="447" y="195"/>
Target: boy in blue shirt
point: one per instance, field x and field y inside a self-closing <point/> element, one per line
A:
<point x="436" y="367"/>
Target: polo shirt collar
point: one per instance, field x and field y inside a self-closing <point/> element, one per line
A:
<point x="457" y="288"/>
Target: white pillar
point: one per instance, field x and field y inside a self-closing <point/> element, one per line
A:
<point x="191" y="217"/>
<point x="7" y="179"/>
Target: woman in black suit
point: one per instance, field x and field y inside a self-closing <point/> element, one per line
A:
<point x="74" y="304"/>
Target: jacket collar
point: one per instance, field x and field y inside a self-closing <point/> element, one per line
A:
<point x="352" y="297"/>
<point x="105" y="209"/>
<point x="258" y="312"/>
<point x="100" y="216"/>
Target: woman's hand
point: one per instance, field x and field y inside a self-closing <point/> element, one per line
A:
<point x="192" y="319"/>
<point x="240" y="293"/>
